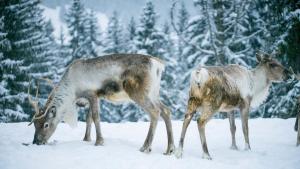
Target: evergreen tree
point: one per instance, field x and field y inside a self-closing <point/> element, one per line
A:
<point x="4" y="75"/>
<point x="26" y="58"/>
<point x="149" y="40"/>
<point x="49" y="30"/>
<point x="61" y="58"/>
<point x="114" y="40"/>
<point x="180" y="83"/>
<point x="92" y="35"/>
<point x="169" y="84"/>
<point x="130" y="36"/>
<point x="76" y="20"/>
<point x="64" y="56"/>
<point x="54" y="61"/>
<point x="168" y="44"/>
<point x="196" y="33"/>
<point x="182" y="24"/>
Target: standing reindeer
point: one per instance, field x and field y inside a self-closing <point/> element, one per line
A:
<point x="117" y="78"/>
<point x="225" y="88"/>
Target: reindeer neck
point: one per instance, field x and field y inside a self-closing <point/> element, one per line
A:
<point x="261" y="84"/>
<point x="63" y="98"/>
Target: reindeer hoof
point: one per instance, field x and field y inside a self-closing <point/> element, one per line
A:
<point x="145" y="149"/>
<point x="170" y="150"/>
<point x="206" y="156"/>
<point x="178" y="152"/>
<point x="234" y="147"/>
<point x="87" y="139"/>
<point x="247" y="147"/>
<point x="99" y="142"/>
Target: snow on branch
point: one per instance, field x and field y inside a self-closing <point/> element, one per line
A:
<point x="180" y="34"/>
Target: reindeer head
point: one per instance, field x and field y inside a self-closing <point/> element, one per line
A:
<point x="44" y="119"/>
<point x="275" y="71"/>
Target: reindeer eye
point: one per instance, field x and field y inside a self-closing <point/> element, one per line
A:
<point x="273" y="65"/>
<point x="46" y="125"/>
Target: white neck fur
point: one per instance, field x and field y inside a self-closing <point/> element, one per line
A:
<point x="260" y="88"/>
<point x="64" y="98"/>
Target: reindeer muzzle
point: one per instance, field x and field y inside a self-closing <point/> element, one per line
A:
<point x="38" y="141"/>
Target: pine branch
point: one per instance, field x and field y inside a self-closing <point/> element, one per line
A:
<point x="180" y="34"/>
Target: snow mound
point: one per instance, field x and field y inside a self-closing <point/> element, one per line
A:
<point x="272" y="141"/>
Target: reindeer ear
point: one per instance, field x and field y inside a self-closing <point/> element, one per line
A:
<point x="52" y="112"/>
<point x="266" y="58"/>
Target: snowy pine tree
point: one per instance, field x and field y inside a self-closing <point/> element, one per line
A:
<point x="64" y="57"/>
<point x="182" y="24"/>
<point x="130" y="36"/>
<point x="180" y="83"/>
<point x="168" y="44"/>
<point x="27" y="57"/>
<point x="4" y="75"/>
<point x="92" y="35"/>
<point x="75" y="19"/>
<point x="170" y="93"/>
<point x="114" y="39"/>
<point x="149" y="40"/>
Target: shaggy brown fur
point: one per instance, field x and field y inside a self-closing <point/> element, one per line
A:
<point x="221" y="88"/>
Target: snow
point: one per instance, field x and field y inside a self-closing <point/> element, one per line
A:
<point x="102" y="20"/>
<point x="272" y="141"/>
<point x="57" y="23"/>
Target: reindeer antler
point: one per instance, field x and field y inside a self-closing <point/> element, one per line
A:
<point x="50" y="82"/>
<point x="33" y="103"/>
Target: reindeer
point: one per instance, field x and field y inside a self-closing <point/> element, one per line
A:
<point x="117" y="78"/>
<point x="226" y="88"/>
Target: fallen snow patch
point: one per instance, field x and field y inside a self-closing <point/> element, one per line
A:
<point x="272" y="141"/>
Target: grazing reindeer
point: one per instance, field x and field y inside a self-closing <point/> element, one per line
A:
<point x="117" y="78"/>
<point x="219" y="88"/>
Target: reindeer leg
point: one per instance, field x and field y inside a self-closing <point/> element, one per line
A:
<point x="154" y="114"/>
<point x="244" y="117"/>
<point x="165" y="114"/>
<point x="296" y="123"/>
<point x="205" y="116"/>
<point x="96" y="118"/>
<point x="89" y="119"/>
<point x="232" y="130"/>
<point x="191" y="110"/>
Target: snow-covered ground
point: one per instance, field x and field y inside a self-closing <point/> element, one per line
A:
<point x="272" y="140"/>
